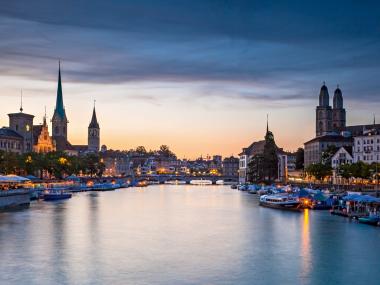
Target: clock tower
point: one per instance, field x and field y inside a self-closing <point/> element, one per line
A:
<point x="93" y="133"/>
<point x="22" y="123"/>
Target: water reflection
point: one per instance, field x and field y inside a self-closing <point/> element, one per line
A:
<point x="305" y="247"/>
<point x="182" y="235"/>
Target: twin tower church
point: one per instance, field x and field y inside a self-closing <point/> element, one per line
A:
<point x="329" y="119"/>
<point x="22" y="136"/>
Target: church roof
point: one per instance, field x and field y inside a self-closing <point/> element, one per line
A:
<point x="254" y="148"/>
<point x="80" y="147"/>
<point x="62" y="144"/>
<point x="7" y="132"/>
<point x="324" y="96"/>
<point x="358" y="130"/>
<point x="330" y="138"/>
<point x="36" y="133"/>
<point x="94" y="121"/>
<point x="59" y="108"/>
<point x="338" y="99"/>
<point x="20" y="114"/>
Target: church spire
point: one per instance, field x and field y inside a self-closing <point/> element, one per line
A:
<point x="94" y="121"/>
<point x="44" y="122"/>
<point x="59" y="108"/>
<point x="267" y="124"/>
<point x="21" y="109"/>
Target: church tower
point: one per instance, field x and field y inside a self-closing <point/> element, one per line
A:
<point x="22" y="123"/>
<point x="323" y="113"/>
<point x="59" y="120"/>
<point x="338" y="112"/>
<point x="93" y="133"/>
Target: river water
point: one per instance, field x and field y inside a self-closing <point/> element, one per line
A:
<point x="182" y="235"/>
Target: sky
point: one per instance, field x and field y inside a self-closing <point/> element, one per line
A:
<point x="199" y="76"/>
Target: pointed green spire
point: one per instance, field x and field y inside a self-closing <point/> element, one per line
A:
<point x="94" y="121"/>
<point x="59" y="109"/>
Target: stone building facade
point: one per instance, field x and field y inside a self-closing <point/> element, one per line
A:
<point x="23" y="124"/>
<point x="11" y="141"/>
<point x="230" y="166"/>
<point x="315" y="147"/>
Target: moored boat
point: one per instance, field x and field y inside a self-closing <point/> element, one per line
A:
<point x="105" y="187"/>
<point x="56" y="195"/>
<point x="200" y="182"/>
<point x="283" y="202"/>
<point x="374" y="221"/>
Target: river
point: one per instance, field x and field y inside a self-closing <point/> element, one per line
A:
<point x="168" y="234"/>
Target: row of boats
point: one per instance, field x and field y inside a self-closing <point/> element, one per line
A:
<point x="364" y="208"/>
<point x="61" y="193"/>
<point x="288" y="198"/>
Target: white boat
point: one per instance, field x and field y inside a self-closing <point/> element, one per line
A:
<point x="200" y="182"/>
<point x="283" y="202"/>
<point x="175" y="182"/>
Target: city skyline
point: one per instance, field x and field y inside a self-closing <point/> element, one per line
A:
<point x="202" y="85"/>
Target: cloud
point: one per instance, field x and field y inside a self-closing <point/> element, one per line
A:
<point x="287" y="48"/>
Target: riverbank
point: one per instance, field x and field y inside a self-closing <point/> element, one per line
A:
<point x="14" y="199"/>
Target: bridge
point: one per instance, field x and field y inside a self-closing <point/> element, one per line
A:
<point x="162" y="178"/>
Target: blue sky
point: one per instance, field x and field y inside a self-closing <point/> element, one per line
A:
<point x="199" y="76"/>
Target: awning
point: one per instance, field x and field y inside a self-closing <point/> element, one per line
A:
<point x="13" y="179"/>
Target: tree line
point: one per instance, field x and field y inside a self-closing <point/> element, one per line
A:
<point x="358" y="170"/>
<point x="53" y="164"/>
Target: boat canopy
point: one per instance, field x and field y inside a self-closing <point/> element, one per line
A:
<point x="361" y="198"/>
<point x="320" y="197"/>
<point x="13" y="179"/>
<point x="303" y="193"/>
<point x="31" y="177"/>
<point x="73" y="178"/>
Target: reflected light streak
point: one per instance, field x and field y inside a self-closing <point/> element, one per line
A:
<point x="305" y="246"/>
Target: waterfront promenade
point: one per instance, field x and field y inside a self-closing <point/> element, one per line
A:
<point x="168" y="234"/>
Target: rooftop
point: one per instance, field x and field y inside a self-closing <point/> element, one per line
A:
<point x="330" y="138"/>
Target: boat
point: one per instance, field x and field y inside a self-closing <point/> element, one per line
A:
<point x="56" y="195"/>
<point x="79" y="188"/>
<point x="200" y="182"/>
<point x="283" y="202"/>
<point x="142" y="183"/>
<point x="243" y="187"/>
<point x="105" y="187"/>
<point x="175" y="182"/>
<point x="374" y="221"/>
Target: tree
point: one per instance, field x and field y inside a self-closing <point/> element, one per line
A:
<point x="345" y="171"/>
<point x="166" y="152"/>
<point x="270" y="158"/>
<point x="328" y="154"/>
<point x="319" y="170"/>
<point x="255" y="169"/>
<point x="300" y="153"/>
<point x="141" y="150"/>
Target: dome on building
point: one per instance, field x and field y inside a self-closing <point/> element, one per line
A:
<point x="324" y="96"/>
<point x="103" y="148"/>
<point x="338" y="99"/>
